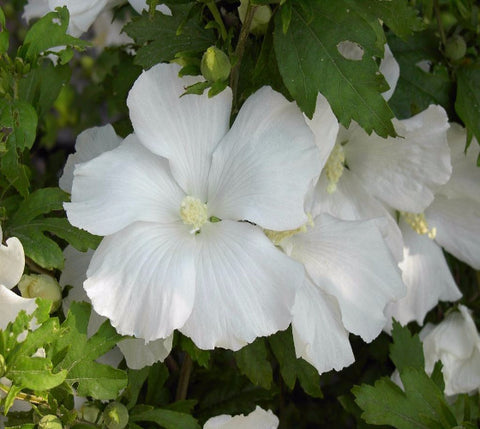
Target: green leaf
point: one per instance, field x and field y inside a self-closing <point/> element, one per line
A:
<point x="406" y="349"/>
<point x="39" y="202"/>
<point x="136" y="380"/>
<point x="166" y="418"/>
<point x="310" y="62"/>
<point x="34" y="373"/>
<point x="49" y="32"/>
<point x="10" y="397"/>
<point x="252" y="362"/>
<point x="160" y="38"/>
<point x="201" y="357"/>
<point x="90" y="378"/>
<point x="3" y="33"/>
<point x="309" y="379"/>
<point x="467" y="103"/>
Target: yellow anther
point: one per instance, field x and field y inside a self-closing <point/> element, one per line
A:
<point x="276" y="237"/>
<point x="193" y="212"/>
<point x="334" y="167"/>
<point x="419" y="224"/>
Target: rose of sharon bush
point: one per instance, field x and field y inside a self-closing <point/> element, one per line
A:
<point x="181" y="203"/>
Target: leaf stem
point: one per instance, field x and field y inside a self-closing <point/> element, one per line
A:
<point x="184" y="378"/>
<point x="218" y="19"/>
<point x="439" y="22"/>
<point x="25" y="396"/>
<point x="240" y="49"/>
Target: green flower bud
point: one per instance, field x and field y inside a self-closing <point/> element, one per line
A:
<point x="215" y="65"/>
<point x="115" y="416"/>
<point x="89" y="412"/>
<point x="41" y="286"/>
<point x="448" y="20"/>
<point x="3" y="366"/>
<point x="455" y="48"/>
<point x="50" y="422"/>
<point x="261" y="17"/>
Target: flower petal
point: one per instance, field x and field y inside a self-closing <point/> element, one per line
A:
<point x="11" y="304"/>
<point x="458" y="224"/>
<point x="245" y="287"/>
<point x="390" y="70"/>
<point x="426" y="274"/>
<point x="143" y="279"/>
<point x="349" y="260"/>
<point x="183" y="129"/>
<point x="318" y="332"/>
<point x="122" y="186"/>
<point x="141" y="5"/>
<point x="262" y="169"/>
<point x="90" y="143"/>
<point x="12" y="262"/>
<point x="403" y="172"/>
<point x="257" y="419"/>
<point x="139" y="354"/>
<point x="35" y="9"/>
<point x="350" y="201"/>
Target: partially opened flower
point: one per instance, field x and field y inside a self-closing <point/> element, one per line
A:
<point x="257" y="419"/>
<point x="456" y="343"/>
<point x="12" y="263"/>
<point x="179" y="203"/>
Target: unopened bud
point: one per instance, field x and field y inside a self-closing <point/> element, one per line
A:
<point x="89" y="413"/>
<point x="115" y="416"/>
<point x="41" y="286"/>
<point x="261" y="17"/>
<point x="3" y="366"/>
<point x="215" y="65"/>
<point x="455" y="48"/>
<point x="49" y="422"/>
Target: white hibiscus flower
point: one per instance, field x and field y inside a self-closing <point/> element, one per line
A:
<point x="179" y="202"/>
<point x="257" y="419"/>
<point x="456" y="343"/>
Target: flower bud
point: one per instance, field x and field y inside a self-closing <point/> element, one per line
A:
<point x="89" y="412"/>
<point x="3" y="366"/>
<point x="261" y="17"/>
<point x="115" y="416"/>
<point x="49" y="422"/>
<point x="455" y="48"/>
<point x="41" y="286"/>
<point x="215" y="65"/>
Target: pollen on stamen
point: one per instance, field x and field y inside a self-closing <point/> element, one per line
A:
<point x="334" y="167"/>
<point x="419" y="224"/>
<point x="276" y="237"/>
<point x="193" y="212"/>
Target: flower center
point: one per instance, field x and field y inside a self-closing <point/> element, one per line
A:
<point x="276" y="237"/>
<point x="193" y="212"/>
<point x="334" y="167"/>
<point x="419" y="224"/>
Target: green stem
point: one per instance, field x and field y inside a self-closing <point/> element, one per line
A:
<point x="184" y="378"/>
<point x="439" y="22"/>
<point x="25" y="396"/>
<point x="218" y="19"/>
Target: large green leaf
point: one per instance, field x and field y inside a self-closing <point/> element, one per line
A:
<point x="252" y="362"/>
<point x="165" y="418"/>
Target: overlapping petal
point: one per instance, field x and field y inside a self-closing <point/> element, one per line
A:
<point x="183" y="129"/>
<point x="264" y="166"/>
<point x="318" y="332"/>
<point x="139" y="354"/>
<point x="403" y="172"/>
<point x="11" y="304"/>
<point x="350" y="260"/>
<point x="390" y="70"/>
<point x="122" y="186"/>
<point x="12" y="261"/>
<point x="257" y="419"/>
<point x="143" y="279"/>
<point x="245" y="287"/>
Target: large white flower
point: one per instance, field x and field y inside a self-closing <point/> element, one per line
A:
<point x="456" y="343"/>
<point x="257" y="419"/>
<point x="173" y="201"/>
<point x="12" y="263"/>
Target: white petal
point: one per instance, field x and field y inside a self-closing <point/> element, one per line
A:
<point x="465" y="175"/>
<point x="390" y="70"/>
<point x="351" y="201"/>
<point x="403" y="172"/>
<point x="141" y="5"/>
<point x="11" y="304"/>
<point x="122" y="186"/>
<point x="12" y="262"/>
<point x="426" y="274"/>
<point x="90" y="143"/>
<point x="318" y="332"/>
<point x="257" y="419"/>
<point x="458" y="224"/>
<point x="35" y="9"/>
<point x="264" y="166"/>
<point x="324" y="126"/>
<point x="143" y="279"/>
<point x="245" y="287"/>
<point x="349" y="260"/>
<point x="138" y="354"/>
<point x="183" y="129"/>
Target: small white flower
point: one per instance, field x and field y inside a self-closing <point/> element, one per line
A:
<point x="257" y="419"/>
<point x="172" y="201"/>
<point x="456" y="343"/>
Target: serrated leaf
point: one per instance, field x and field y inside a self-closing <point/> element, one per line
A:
<point x="406" y="349"/>
<point x="136" y="379"/>
<point x="34" y="373"/>
<point x="10" y="397"/>
<point x="309" y="379"/>
<point x="39" y="202"/>
<point x="160" y="39"/>
<point x="310" y="62"/>
<point x="467" y="103"/>
<point x="284" y="351"/>
<point x="253" y="363"/>
<point x="166" y="418"/>
<point x="201" y="357"/>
